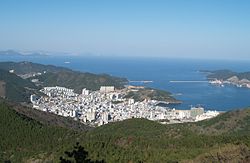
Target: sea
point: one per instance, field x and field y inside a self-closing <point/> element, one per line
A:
<point x="161" y="71"/>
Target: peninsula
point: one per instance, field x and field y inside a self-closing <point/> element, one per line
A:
<point x="222" y="77"/>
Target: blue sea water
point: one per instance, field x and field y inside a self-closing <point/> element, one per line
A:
<point x="161" y="71"/>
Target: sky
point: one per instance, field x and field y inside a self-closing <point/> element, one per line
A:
<point x="216" y="29"/>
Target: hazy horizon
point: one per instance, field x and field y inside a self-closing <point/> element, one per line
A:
<point x="169" y="29"/>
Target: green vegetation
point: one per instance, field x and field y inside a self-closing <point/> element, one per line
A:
<point x="147" y="141"/>
<point x="153" y="94"/>
<point x="17" y="89"/>
<point x="26" y="138"/>
<point x="78" y="80"/>
<point x="226" y="74"/>
<point x="227" y="123"/>
<point x="29" y="67"/>
<point x="28" y="135"/>
<point x="78" y="155"/>
<point x="60" y="76"/>
<point x="48" y="118"/>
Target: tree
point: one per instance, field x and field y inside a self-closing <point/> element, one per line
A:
<point x="78" y="155"/>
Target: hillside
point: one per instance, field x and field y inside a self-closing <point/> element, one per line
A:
<point x="78" y="80"/>
<point x="29" y="67"/>
<point x="147" y="141"/>
<point x="226" y="74"/>
<point x="237" y="121"/>
<point x="153" y="94"/>
<point x="26" y="138"/>
<point x="63" y="76"/>
<point x="16" y="88"/>
<point x="46" y="118"/>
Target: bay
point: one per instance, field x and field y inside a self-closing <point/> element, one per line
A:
<point x="161" y="71"/>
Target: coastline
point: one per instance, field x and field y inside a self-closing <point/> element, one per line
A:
<point x="162" y="70"/>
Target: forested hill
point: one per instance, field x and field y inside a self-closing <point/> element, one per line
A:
<point x="29" y="67"/>
<point x="53" y="75"/>
<point x="226" y="138"/>
<point x="226" y="74"/>
<point x="25" y="139"/>
<point x="15" y="88"/>
<point x="79" y="80"/>
<point x="46" y="118"/>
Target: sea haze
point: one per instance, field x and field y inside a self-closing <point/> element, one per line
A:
<point x="161" y="72"/>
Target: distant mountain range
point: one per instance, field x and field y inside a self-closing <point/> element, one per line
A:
<point x="42" y="53"/>
<point x="16" y="53"/>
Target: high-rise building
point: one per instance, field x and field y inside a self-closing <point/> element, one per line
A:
<point x="195" y="111"/>
<point x="107" y="89"/>
<point x="85" y="92"/>
<point x="91" y="115"/>
<point x="105" y="117"/>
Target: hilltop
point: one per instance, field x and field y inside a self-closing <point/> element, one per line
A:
<point x="225" y="138"/>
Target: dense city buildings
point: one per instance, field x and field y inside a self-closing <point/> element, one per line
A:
<point x="109" y="105"/>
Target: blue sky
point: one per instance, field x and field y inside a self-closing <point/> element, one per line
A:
<point x="167" y="28"/>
